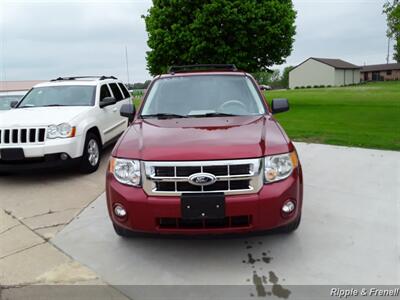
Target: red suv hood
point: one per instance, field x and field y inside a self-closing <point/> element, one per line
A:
<point x="203" y="139"/>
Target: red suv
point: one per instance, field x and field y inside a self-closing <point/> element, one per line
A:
<point x="204" y="155"/>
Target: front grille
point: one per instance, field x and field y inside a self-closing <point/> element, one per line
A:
<point x="232" y="177"/>
<point x="227" y="222"/>
<point x="16" y="136"/>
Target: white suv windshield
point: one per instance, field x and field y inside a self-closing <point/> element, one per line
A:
<point x="67" y="95"/>
<point x="203" y="95"/>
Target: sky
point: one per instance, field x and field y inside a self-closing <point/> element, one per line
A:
<point x="43" y="39"/>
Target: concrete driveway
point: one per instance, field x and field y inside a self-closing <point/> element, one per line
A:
<point x="349" y="235"/>
<point x="33" y="208"/>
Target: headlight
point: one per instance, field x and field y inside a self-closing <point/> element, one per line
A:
<point x="278" y="167"/>
<point x="126" y="171"/>
<point x="63" y="130"/>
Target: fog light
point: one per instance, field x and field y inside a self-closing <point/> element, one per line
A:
<point x="288" y="207"/>
<point x="119" y="211"/>
<point x="64" y="156"/>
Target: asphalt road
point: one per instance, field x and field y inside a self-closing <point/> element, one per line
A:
<point x="350" y="234"/>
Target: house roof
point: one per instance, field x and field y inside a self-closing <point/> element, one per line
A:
<point x="333" y="62"/>
<point x="22" y="85"/>
<point x="384" y="67"/>
<point x="336" y="63"/>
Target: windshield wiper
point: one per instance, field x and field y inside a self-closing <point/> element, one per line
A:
<point x="215" y="114"/>
<point x="163" y="116"/>
<point x="31" y="106"/>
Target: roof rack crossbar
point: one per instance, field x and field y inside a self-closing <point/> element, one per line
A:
<point x="82" y="77"/>
<point x="186" y="68"/>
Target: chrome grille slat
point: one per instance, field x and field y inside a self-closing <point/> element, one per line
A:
<point x="176" y="185"/>
<point x="22" y="135"/>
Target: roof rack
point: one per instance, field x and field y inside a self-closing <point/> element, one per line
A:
<point x="83" y="77"/>
<point x="188" y="68"/>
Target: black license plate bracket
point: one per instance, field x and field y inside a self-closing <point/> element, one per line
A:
<point x="203" y="206"/>
<point x="12" y="154"/>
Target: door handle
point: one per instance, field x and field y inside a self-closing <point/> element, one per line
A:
<point x="115" y="109"/>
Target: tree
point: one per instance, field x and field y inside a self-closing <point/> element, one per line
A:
<point x="267" y="77"/>
<point x="141" y="86"/>
<point x="253" y="34"/>
<point x="392" y="11"/>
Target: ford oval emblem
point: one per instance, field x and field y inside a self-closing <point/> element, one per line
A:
<point x="202" y="179"/>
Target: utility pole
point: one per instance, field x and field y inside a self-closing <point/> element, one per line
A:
<point x="127" y="63"/>
<point x="388" y="52"/>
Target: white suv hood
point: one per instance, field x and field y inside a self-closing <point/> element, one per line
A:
<point x="41" y="116"/>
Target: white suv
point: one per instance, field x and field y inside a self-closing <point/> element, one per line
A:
<point x="64" y="121"/>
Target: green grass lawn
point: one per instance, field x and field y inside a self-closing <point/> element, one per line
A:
<point x="363" y="116"/>
<point x="137" y="101"/>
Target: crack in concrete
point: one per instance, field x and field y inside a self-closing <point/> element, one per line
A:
<point x="50" y="212"/>
<point x="8" y="229"/>
<point x="22" y="250"/>
<point x="49" y="226"/>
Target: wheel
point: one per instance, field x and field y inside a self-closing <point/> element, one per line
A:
<point x="122" y="231"/>
<point x="91" y="154"/>
<point x="292" y="226"/>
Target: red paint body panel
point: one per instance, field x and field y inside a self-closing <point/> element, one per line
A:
<point x="203" y="139"/>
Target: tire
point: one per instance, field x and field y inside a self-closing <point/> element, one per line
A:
<point x="90" y="160"/>
<point x="292" y="226"/>
<point x="122" y="231"/>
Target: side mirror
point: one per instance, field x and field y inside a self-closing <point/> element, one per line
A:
<point x="128" y="111"/>
<point x="279" y="105"/>
<point x="107" y="101"/>
<point x="13" y="104"/>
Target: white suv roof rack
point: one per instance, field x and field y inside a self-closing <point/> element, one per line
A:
<point x="84" y="77"/>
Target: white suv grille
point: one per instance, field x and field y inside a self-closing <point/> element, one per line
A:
<point x="232" y="177"/>
<point x="17" y="136"/>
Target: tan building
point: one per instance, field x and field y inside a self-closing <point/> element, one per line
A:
<point x="324" y="72"/>
<point x="381" y="72"/>
<point x="21" y="85"/>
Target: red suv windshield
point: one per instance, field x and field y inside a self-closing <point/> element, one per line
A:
<point x="202" y="95"/>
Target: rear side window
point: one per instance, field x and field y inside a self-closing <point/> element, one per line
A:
<point x="124" y="90"/>
<point x="104" y="92"/>
<point x="117" y="93"/>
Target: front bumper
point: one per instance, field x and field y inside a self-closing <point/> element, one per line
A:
<point x="263" y="209"/>
<point x="45" y="155"/>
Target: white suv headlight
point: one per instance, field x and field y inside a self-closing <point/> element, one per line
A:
<point x="126" y="171"/>
<point x="278" y="167"/>
<point x="63" y="130"/>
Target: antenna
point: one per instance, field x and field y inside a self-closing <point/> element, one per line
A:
<point x="127" y="63"/>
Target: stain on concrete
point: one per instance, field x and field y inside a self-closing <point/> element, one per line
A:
<point x="277" y="289"/>
<point x="273" y="278"/>
<point x="67" y="272"/>
<point x="261" y="280"/>
<point x="250" y="259"/>
<point x="265" y="258"/>
<point x="258" y="282"/>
